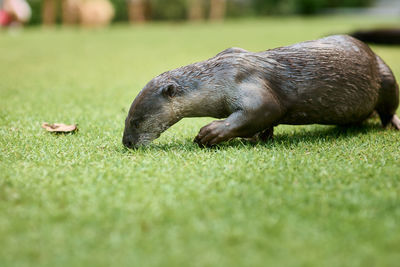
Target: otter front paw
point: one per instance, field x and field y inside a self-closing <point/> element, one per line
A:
<point x="212" y="134"/>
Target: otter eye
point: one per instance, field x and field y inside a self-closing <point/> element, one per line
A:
<point x="135" y="123"/>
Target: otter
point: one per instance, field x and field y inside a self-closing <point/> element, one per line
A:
<point x="336" y="80"/>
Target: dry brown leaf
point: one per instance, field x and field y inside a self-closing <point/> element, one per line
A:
<point x="59" y="127"/>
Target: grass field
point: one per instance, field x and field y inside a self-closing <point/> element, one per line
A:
<point x="315" y="196"/>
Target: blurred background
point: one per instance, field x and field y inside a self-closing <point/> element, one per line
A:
<point x="97" y="13"/>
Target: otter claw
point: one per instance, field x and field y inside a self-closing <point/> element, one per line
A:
<point x="197" y="140"/>
<point x="211" y="134"/>
<point x="199" y="143"/>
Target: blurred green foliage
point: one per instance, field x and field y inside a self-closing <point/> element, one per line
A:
<point x="288" y="7"/>
<point x="36" y="6"/>
<point x="177" y="9"/>
<point x="168" y="9"/>
<point x="121" y="10"/>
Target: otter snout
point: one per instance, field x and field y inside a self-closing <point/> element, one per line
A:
<point x="128" y="141"/>
<point x="131" y="139"/>
<point x="135" y="140"/>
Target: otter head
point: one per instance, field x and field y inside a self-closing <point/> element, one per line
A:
<point x="151" y="113"/>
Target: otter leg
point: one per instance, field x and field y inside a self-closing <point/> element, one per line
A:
<point x="388" y="97"/>
<point x="263" y="136"/>
<point x="266" y="135"/>
<point x="259" y="109"/>
<point x="238" y="124"/>
<point x="395" y="121"/>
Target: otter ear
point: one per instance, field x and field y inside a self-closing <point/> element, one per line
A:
<point x="169" y="90"/>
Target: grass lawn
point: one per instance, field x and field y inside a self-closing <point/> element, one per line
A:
<point x="316" y="196"/>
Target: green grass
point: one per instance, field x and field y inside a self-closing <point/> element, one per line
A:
<point x="316" y="196"/>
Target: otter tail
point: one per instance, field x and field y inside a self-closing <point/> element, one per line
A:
<point x="388" y="96"/>
<point x="390" y="36"/>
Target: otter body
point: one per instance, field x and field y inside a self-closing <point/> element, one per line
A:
<point x="336" y="80"/>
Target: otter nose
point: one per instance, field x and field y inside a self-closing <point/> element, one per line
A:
<point x="127" y="141"/>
